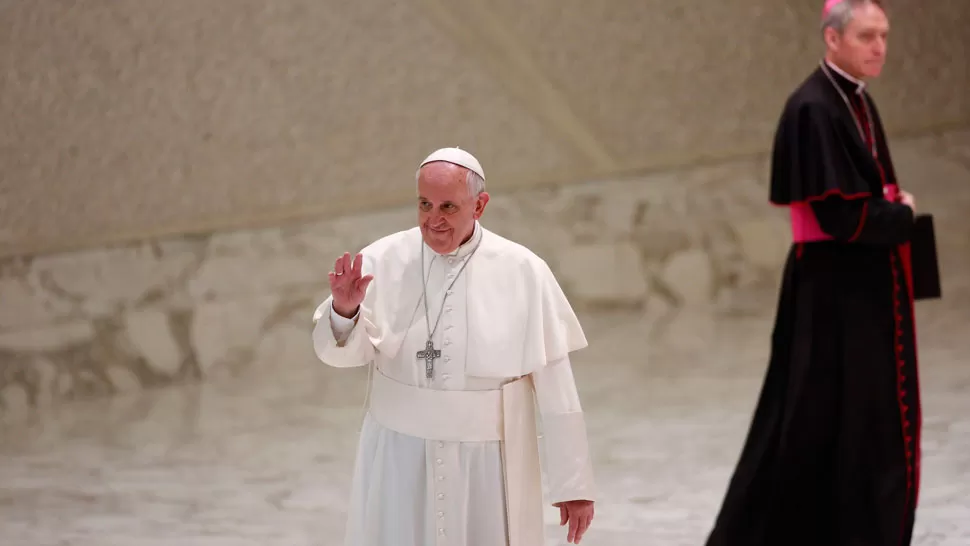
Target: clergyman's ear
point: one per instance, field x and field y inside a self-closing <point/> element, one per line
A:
<point x="831" y="37"/>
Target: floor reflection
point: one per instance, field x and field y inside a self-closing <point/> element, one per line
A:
<point x="266" y="459"/>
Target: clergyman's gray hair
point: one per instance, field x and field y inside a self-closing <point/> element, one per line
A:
<point x="839" y="16"/>
<point x="476" y="184"/>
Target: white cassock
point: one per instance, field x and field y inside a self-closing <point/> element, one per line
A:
<point x="453" y="460"/>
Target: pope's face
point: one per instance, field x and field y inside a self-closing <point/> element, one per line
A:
<point x="446" y="209"/>
<point x="861" y="48"/>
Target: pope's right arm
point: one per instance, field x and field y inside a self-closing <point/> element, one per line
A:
<point x="341" y="342"/>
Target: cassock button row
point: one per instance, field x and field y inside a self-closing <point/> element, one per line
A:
<point x="441" y="496"/>
<point x="441" y="514"/>
<point x="440" y="462"/>
<point x="441" y="532"/>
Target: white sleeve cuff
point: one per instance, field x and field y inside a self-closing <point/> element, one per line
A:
<point x="569" y="467"/>
<point x="342" y="326"/>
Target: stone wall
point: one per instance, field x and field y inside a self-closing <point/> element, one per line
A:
<point x="126" y="120"/>
<point x="159" y="312"/>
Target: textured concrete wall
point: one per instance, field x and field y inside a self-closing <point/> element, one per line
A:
<point x="699" y="242"/>
<point x="124" y="119"/>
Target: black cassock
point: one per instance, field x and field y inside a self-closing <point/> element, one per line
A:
<point x="832" y="456"/>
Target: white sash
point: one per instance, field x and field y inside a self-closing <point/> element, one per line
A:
<point x="506" y="415"/>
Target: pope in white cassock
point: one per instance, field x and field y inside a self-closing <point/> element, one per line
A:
<point x="467" y="333"/>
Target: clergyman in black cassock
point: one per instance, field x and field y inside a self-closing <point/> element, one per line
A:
<point x="832" y="457"/>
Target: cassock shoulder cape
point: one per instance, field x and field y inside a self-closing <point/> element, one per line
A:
<point x="818" y="152"/>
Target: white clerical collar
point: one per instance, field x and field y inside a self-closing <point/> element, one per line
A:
<point x="466" y="248"/>
<point x="860" y="85"/>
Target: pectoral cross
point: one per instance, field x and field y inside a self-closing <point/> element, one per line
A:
<point x="429" y="354"/>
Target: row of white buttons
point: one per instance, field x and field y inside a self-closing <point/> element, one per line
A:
<point x="447" y="341"/>
<point x="441" y="496"/>
<point x="441" y="445"/>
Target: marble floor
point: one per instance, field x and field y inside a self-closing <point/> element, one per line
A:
<point x="265" y="459"/>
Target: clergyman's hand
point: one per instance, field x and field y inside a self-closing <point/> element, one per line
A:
<point x="578" y="514"/>
<point x="907" y="199"/>
<point x="347" y="285"/>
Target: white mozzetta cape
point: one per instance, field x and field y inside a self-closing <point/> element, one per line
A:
<point x="518" y="318"/>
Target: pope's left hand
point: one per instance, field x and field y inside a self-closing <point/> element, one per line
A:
<point x="578" y="514"/>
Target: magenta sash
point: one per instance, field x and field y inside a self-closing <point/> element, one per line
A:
<point x="804" y="224"/>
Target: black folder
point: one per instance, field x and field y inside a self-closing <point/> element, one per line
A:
<point x="926" y="265"/>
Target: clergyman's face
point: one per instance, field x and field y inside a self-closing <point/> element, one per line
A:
<point x="861" y="48"/>
<point x="447" y="210"/>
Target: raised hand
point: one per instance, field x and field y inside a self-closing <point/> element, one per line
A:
<point x="347" y="285"/>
